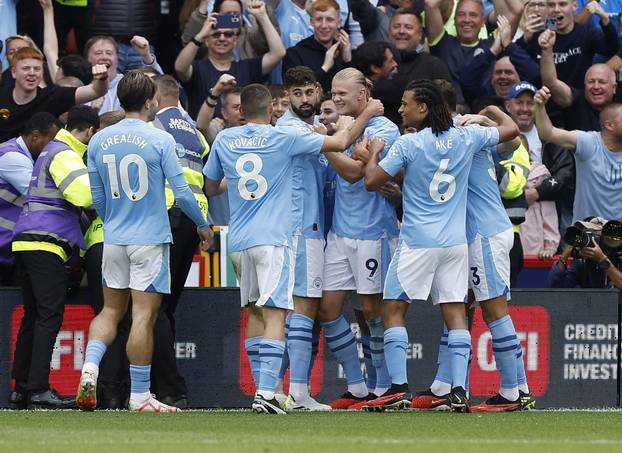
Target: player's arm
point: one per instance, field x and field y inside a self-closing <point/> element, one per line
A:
<point x="348" y="130"/>
<point x="375" y="175"/>
<point x="98" y="193"/>
<point x="546" y="130"/>
<point x="213" y="187"/>
<point x="71" y="177"/>
<point x="508" y="130"/>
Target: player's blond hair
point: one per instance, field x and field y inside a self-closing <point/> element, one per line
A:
<point x="356" y="76"/>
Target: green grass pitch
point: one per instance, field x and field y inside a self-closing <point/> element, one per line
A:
<point x="344" y="432"/>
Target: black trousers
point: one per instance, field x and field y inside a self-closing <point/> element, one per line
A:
<point x="114" y="368"/>
<point x="166" y="381"/>
<point x="516" y="260"/>
<point x="71" y="17"/>
<point x="43" y="279"/>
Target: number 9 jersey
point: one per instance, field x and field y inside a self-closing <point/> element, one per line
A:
<point x="435" y="182"/>
<point x="256" y="160"/>
<point x="130" y="162"/>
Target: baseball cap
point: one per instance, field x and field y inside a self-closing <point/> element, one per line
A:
<point x="520" y="87"/>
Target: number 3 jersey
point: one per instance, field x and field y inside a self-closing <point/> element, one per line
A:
<point x="435" y="182"/>
<point x="130" y="162"/>
<point x="256" y="160"/>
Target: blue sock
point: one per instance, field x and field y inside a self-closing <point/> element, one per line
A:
<point x="342" y="344"/>
<point x="395" y="344"/>
<point x="285" y="362"/>
<point x="468" y="375"/>
<point x="459" y="344"/>
<point x="271" y="356"/>
<point x="521" y="377"/>
<point x="252" y="350"/>
<point x="95" y="350"/>
<point x="140" y="377"/>
<point x="315" y="347"/>
<point x="376" y="346"/>
<point x="504" y="344"/>
<point x="299" y="346"/>
<point x="369" y="366"/>
<point x="443" y="371"/>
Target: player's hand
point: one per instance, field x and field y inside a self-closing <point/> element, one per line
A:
<point x="531" y="195"/>
<point x="375" y="107"/>
<point x="320" y="128"/>
<point x="479" y="119"/>
<point x="207" y="238"/>
<point x="546" y="40"/>
<point x="361" y="151"/>
<point x="344" y="122"/>
<point x="141" y="45"/>
<point x="391" y="191"/>
<point x="100" y="72"/>
<point x="376" y="145"/>
<point x="257" y="8"/>
<point x="329" y="57"/>
<point x="546" y="254"/>
<point x="542" y="96"/>
<point x="224" y="82"/>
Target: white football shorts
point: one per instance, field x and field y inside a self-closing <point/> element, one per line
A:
<point x="138" y="267"/>
<point x="356" y="264"/>
<point x="489" y="265"/>
<point x="438" y="273"/>
<point x="266" y="276"/>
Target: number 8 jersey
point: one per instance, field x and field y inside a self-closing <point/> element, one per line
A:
<point x="130" y="162"/>
<point x="435" y="182"/>
<point x="256" y="160"/>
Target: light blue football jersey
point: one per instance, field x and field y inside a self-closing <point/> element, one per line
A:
<point x="257" y="162"/>
<point x="436" y="181"/>
<point x="359" y="214"/>
<point x="309" y="178"/>
<point x="485" y="212"/>
<point x="130" y="161"/>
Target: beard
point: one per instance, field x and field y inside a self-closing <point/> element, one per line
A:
<point x="304" y="110"/>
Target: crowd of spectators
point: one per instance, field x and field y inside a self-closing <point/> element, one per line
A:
<point x="58" y="53"/>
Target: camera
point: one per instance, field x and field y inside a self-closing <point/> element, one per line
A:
<point x="607" y="233"/>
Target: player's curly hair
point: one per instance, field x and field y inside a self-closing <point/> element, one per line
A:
<point x="427" y="92"/>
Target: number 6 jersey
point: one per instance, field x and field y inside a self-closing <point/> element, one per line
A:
<point x="256" y="160"/>
<point x="435" y="182"/>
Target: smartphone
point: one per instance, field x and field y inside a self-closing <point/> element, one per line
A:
<point x="231" y="20"/>
<point x="551" y="24"/>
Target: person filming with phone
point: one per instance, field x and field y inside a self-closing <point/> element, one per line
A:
<point x="219" y="34"/>
<point x="575" y="44"/>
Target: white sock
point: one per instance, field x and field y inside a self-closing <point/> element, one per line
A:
<point x="90" y="367"/>
<point x="359" y="390"/>
<point x="509" y="394"/>
<point x="140" y="397"/>
<point x="379" y="391"/>
<point x="440" y="388"/>
<point x="267" y="394"/>
<point x="523" y="388"/>
<point x="298" y="391"/>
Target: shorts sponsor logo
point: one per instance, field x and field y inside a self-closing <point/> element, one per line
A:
<point x="317" y="283"/>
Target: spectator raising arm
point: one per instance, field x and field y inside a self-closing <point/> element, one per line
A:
<point x="434" y="23"/>
<point x="546" y="131"/>
<point x="560" y="91"/>
<point x="50" y="40"/>
<point x="183" y="62"/>
<point x="97" y="88"/>
<point x="276" y="51"/>
<point x="206" y="113"/>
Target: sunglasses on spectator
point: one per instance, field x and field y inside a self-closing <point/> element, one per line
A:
<point x="226" y="34"/>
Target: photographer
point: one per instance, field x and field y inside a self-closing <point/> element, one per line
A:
<point x="596" y="249"/>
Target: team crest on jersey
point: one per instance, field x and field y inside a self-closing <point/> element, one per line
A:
<point x="323" y="161"/>
<point x="180" y="150"/>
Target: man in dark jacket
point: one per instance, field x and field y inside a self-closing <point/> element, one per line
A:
<point x="326" y="52"/>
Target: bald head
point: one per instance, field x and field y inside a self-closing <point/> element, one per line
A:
<point x="610" y="114"/>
